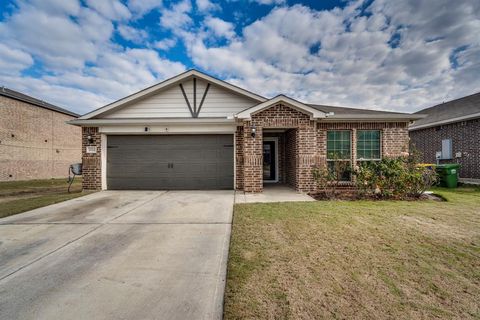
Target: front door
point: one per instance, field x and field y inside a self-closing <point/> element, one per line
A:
<point x="269" y="161"/>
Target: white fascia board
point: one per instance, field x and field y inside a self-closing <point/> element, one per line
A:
<point x="442" y="122"/>
<point x="150" y="121"/>
<point x="170" y="82"/>
<point x="314" y="113"/>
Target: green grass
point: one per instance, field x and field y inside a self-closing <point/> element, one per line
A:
<point x="356" y="259"/>
<point x="21" y="196"/>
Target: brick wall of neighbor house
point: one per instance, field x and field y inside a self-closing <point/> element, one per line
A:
<point x="92" y="165"/>
<point x="35" y="143"/>
<point x="465" y="137"/>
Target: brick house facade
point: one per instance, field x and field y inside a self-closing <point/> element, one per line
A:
<point x="465" y="137"/>
<point x="457" y="124"/>
<point x="303" y="146"/>
<point x="35" y="141"/>
<point x="297" y="130"/>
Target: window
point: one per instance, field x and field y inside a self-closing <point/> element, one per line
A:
<point x="339" y="143"/>
<point x="368" y="145"/>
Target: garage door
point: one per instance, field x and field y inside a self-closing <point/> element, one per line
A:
<point x="170" y="162"/>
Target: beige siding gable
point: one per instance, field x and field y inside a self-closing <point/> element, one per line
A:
<point x="170" y="103"/>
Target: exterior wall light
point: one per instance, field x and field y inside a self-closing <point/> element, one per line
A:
<point x="254" y="131"/>
<point x="89" y="139"/>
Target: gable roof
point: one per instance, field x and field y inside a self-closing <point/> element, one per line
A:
<point x="448" y="112"/>
<point x="313" y="112"/>
<point x="168" y="83"/>
<point x="12" y="94"/>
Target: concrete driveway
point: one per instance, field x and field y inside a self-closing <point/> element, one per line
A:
<point x="118" y="255"/>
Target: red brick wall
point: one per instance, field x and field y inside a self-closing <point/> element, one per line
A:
<point x="291" y="158"/>
<point x="239" y="158"/>
<point x="36" y="143"/>
<point x="465" y="139"/>
<point x="92" y="165"/>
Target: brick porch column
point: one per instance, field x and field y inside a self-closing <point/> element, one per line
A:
<point x="252" y="159"/>
<point x="306" y="157"/>
<point x="91" y="162"/>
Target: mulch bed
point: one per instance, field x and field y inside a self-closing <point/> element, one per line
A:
<point x="353" y="196"/>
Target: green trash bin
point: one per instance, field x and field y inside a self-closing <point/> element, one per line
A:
<point x="448" y="174"/>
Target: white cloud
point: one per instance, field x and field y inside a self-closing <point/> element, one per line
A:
<point x="207" y="6"/>
<point x="165" y="44"/>
<point x="111" y="9"/>
<point x="13" y="60"/>
<point x="177" y="17"/>
<point x="342" y="57"/>
<point x="82" y="67"/>
<point x="402" y="55"/>
<point x="219" y="27"/>
<point x="132" y="34"/>
<point x="141" y="7"/>
<point x="269" y="2"/>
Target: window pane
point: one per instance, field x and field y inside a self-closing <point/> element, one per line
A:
<point x="338" y="144"/>
<point x="368" y="144"/>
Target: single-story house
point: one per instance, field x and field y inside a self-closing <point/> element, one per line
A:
<point x="450" y="133"/>
<point x="194" y="131"/>
<point x="35" y="140"/>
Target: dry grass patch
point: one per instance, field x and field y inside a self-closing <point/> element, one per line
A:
<point x="21" y="196"/>
<point x="362" y="259"/>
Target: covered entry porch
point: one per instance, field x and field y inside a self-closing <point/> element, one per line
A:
<point x="276" y="144"/>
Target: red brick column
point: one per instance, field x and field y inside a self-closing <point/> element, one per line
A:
<point x="92" y="167"/>
<point x="306" y="156"/>
<point x="239" y="158"/>
<point x="252" y="159"/>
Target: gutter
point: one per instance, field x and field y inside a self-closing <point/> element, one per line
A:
<point x="150" y="121"/>
<point x="373" y="117"/>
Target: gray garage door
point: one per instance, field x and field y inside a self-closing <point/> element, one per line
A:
<point x="170" y="162"/>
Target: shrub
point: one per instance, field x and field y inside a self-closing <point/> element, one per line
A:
<point x="400" y="178"/>
<point x="328" y="179"/>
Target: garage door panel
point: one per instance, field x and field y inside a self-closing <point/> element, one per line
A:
<point x="143" y="162"/>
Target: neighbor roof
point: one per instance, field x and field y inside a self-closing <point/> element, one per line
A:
<point x="448" y="112"/>
<point x="33" y="101"/>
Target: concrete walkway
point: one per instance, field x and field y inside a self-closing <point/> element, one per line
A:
<point x="118" y="255"/>
<point x="272" y="193"/>
<point x="474" y="182"/>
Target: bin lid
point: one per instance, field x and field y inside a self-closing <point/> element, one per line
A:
<point x="448" y="166"/>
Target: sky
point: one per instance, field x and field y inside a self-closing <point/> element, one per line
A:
<point x="374" y="54"/>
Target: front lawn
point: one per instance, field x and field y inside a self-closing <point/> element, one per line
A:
<point x="21" y="196"/>
<point x="356" y="260"/>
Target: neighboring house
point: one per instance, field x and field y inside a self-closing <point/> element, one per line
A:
<point x="35" y="140"/>
<point x="194" y="131"/>
<point x="450" y="133"/>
